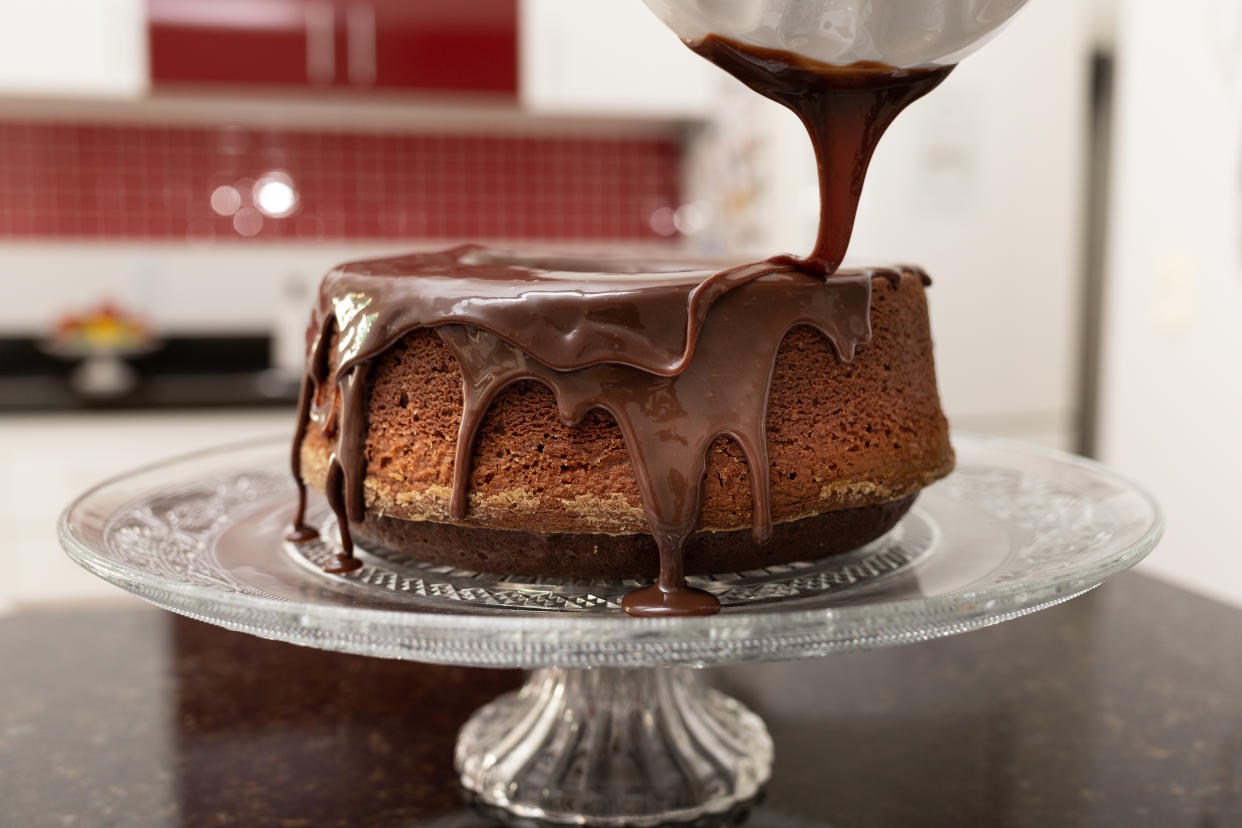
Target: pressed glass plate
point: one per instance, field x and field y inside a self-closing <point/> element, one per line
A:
<point x="1013" y="529"/>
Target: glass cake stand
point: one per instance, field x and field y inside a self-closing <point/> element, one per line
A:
<point x="596" y="736"/>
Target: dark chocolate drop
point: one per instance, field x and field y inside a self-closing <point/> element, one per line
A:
<point x="301" y="534"/>
<point x="655" y="601"/>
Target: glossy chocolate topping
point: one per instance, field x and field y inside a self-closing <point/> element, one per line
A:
<point x="845" y="110"/>
<point x="677" y="357"/>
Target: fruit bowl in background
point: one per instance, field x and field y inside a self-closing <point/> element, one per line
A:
<point x="101" y="339"/>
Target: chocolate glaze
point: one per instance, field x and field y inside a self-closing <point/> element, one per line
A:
<point x="845" y="109"/>
<point x="628" y="342"/>
<point x="676" y="357"/>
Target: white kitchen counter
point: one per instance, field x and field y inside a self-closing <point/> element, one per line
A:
<point x="47" y="460"/>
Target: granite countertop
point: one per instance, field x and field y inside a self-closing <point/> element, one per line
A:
<point x="1120" y="708"/>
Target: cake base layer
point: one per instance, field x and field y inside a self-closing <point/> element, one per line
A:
<point x="583" y="556"/>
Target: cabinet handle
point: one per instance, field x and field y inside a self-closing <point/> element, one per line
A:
<point x="320" y="43"/>
<point x="360" y="36"/>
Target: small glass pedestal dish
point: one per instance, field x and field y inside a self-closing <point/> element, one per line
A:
<point x="597" y="736"/>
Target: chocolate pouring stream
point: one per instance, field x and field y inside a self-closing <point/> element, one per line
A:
<point x="845" y="110"/>
<point x="677" y="357"/>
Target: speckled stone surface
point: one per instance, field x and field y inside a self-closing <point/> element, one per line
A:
<point x="1122" y="708"/>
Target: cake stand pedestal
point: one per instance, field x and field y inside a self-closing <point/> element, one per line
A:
<point x="596" y="736"/>
<point x="613" y="746"/>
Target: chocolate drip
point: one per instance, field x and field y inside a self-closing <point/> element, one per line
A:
<point x="299" y="532"/>
<point x="478" y="396"/>
<point x="845" y="109"/>
<point x="509" y="321"/>
<point x="313" y="379"/>
<point x="335" y="490"/>
<point x="347" y="465"/>
<point x="349" y="461"/>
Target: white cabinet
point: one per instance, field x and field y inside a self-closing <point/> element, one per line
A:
<point x="73" y="48"/>
<point x="607" y="57"/>
<point x="47" y="461"/>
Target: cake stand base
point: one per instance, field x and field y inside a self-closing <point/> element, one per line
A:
<point x="610" y="746"/>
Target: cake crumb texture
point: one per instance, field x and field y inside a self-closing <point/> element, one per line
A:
<point x="840" y="435"/>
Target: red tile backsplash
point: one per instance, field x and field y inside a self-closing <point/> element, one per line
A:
<point x="96" y="181"/>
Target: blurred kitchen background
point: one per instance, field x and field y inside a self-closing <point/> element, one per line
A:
<point x="176" y="175"/>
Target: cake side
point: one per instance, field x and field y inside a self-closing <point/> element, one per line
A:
<point x="591" y="555"/>
<point x="840" y="435"/>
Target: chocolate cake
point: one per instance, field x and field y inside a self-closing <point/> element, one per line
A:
<point x="586" y="419"/>
<point x="485" y="410"/>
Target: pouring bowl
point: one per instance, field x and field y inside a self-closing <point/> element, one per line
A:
<point x="901" y="33"/>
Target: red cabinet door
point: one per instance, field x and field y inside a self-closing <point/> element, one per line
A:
<point x="465" y="46"/>
<point x="242" y="42"/>
<point x="437" y="45"/>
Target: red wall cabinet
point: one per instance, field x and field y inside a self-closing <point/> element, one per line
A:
<point x="454" y="46"/>
<point x="241" y="42"/>
<point x="468" y="46"/>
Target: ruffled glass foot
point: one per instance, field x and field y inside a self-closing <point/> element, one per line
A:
<point x="614" y="747"/>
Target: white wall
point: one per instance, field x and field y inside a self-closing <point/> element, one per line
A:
<point x="1172" y="373"/>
